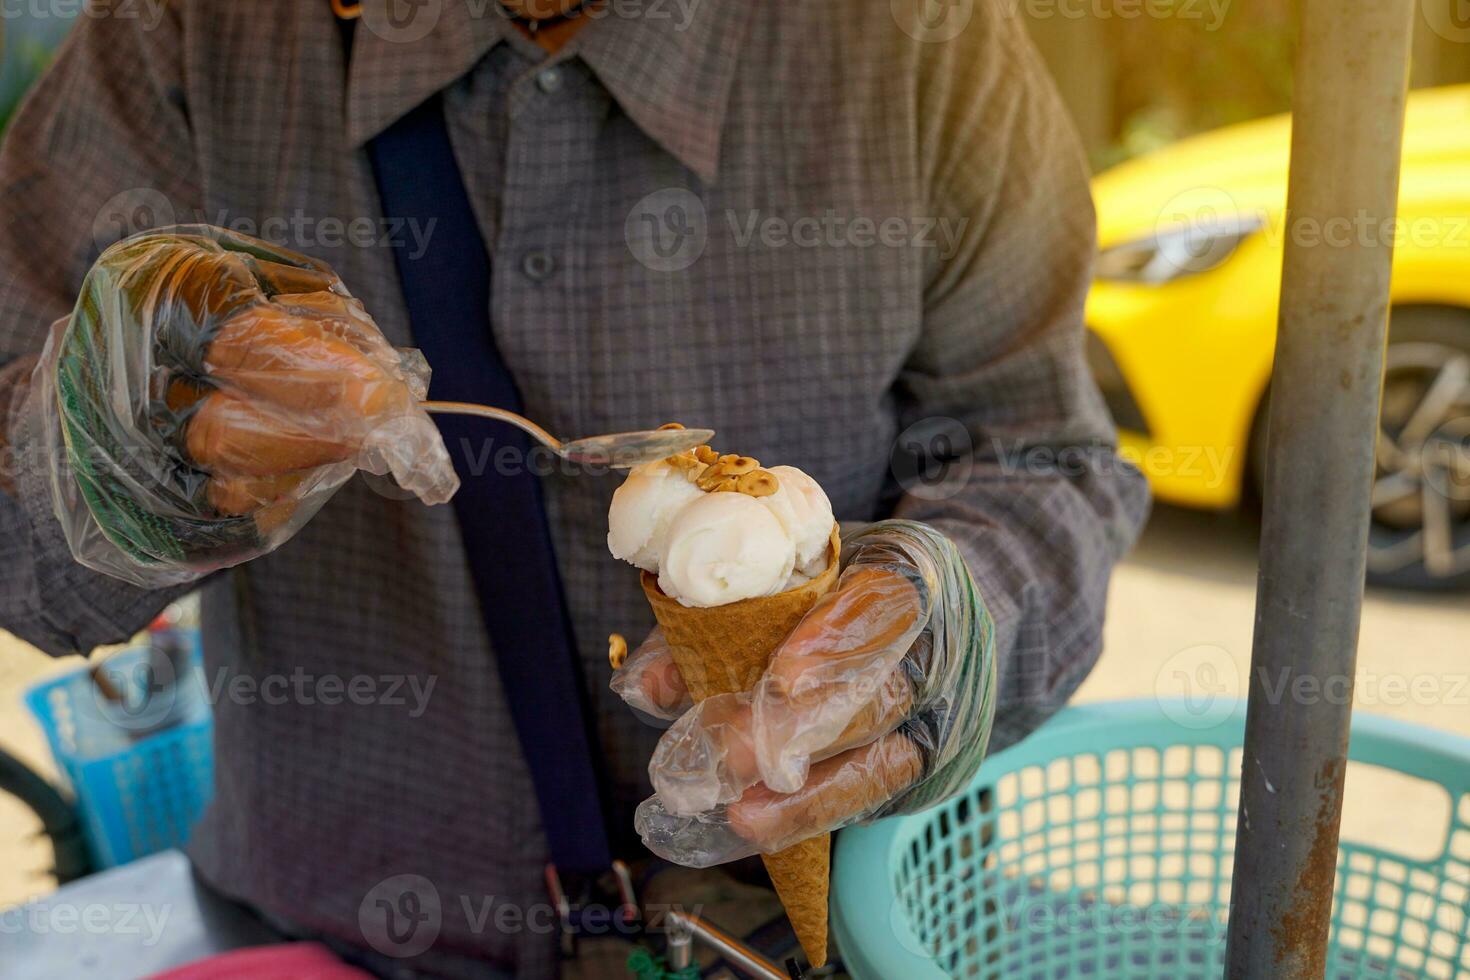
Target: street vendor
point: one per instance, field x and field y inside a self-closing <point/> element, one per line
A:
<point x="850" y="238"/>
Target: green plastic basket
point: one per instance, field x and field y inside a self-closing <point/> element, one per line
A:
<point x="1102" y="847"/>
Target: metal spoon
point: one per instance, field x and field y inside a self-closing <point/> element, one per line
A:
<point x="620" y="450"/>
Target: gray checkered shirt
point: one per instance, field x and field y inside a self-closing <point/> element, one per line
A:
<point x="810" y="226"/>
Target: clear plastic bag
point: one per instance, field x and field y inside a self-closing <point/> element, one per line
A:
<point x="880" y="701"/>
<point x="208" y="394"/>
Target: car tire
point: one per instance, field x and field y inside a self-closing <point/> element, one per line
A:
<point x="1426" y="344"/>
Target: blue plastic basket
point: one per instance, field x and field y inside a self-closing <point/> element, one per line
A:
<point x="1102" y="847"/>
<point x="139" y="786"/>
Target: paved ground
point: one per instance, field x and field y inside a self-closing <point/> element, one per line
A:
<point x="1180" y="623"/>
<point x="1180" y="620"/>
<point x="1182" y="611"/>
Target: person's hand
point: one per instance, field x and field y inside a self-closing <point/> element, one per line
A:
<point x="650" y="681"/>
<point x="879" y="702"/>
<point x="211" y="391"/>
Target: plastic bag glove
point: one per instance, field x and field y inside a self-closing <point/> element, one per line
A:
<point x="880" y="702"/>
<point x="208" y="394"/>
<point x="650" y="682"/>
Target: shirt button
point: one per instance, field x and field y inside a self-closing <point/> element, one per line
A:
<point x="538" y="265"/>
<point x="549" y="81"/>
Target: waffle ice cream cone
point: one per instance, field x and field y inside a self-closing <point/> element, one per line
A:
<point x="724" y="649"/>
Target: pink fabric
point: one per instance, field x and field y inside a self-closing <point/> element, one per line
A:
<point x="289" y="961"/>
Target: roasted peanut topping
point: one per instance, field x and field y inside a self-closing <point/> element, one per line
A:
<point x="617" y="650"/>
<point x="758" y="483"/>
<point x="726" y="469"/>
<point x="685" y="463"/>
<point x="739" y="465"/>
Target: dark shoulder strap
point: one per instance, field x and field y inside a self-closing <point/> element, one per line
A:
<point x="501" y="517"/>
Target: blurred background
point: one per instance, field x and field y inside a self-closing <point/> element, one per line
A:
<point x="1140" y="76"/>
<point x="1182" y="324"/>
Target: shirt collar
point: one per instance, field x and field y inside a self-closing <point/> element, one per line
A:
<point x="669" y="65"/>
<point x="395" y="66"/>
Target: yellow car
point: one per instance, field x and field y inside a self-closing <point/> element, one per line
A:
<point x="1182" y="316"/>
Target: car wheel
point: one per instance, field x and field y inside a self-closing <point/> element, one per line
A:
<point x="1420" y="534"/>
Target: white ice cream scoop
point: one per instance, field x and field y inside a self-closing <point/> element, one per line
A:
<point x="723" y="548"/>
<point x="802" y="507"/>
<point x="642" y="511"/>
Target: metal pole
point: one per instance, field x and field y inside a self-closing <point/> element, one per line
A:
<point x="1351" y="77"/>
<point x="739" y="955"/>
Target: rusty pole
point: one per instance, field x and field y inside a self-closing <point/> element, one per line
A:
<point x="1351" y="77"/>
